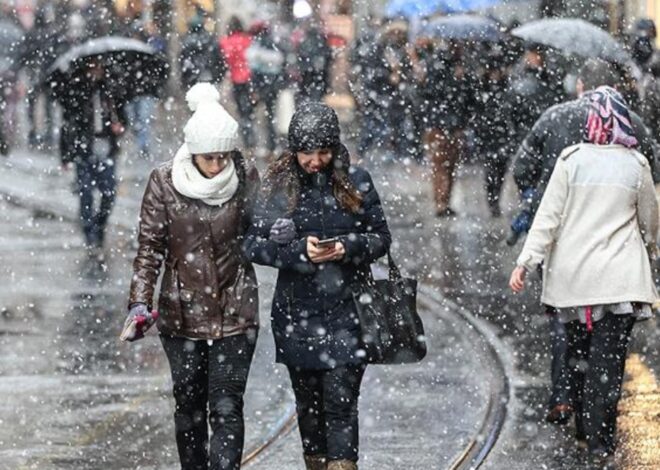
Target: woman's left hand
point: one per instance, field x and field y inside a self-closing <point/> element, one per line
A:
<point x="517" y="281"/>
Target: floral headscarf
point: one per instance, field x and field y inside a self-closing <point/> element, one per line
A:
<point x="608" y="120"/>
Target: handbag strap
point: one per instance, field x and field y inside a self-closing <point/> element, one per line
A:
<point x="395" y="273"/>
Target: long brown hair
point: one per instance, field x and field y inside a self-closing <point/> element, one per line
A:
<point x="283" y="175"/>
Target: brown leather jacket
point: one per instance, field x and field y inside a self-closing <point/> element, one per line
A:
<point x="209" y="289"/>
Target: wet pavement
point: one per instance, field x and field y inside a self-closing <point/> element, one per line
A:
<point x="74" y="397"/>
<point x="466" y="259"/>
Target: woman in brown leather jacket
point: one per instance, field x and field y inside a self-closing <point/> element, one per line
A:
<point x="194" y="213"/>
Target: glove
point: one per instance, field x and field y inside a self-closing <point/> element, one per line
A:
<point x="138" y="321"/>
<point x="283" y="231"/>
<point x="138" y="309"/>
<point x="521" y="224"/>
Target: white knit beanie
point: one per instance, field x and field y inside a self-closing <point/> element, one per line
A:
<point x="210" y="129"/>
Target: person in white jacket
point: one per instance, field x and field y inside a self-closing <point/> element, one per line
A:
<point x="595" y="234"/>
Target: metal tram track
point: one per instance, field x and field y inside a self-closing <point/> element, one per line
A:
<point x="474" y="454"/>
<point x="279" y="430"/>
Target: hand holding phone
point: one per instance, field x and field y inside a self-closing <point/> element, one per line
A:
<point x="327" y="242"/>
<point x="331" y="250"/>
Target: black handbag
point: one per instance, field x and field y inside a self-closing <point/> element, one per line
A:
<point x="392" y="331"/>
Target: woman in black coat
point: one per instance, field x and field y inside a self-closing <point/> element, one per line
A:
<point x="312" y="193"/>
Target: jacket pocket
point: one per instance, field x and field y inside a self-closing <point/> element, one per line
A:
<point x="235" y="297"/>
<point x="189" y="301"/>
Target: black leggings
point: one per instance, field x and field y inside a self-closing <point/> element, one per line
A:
<point x="327" y="405"/>
<point x="209" y="383"/>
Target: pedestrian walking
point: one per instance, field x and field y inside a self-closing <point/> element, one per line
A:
<point x="266" y="61"/>
<point x="491" y="126"/>
<point x="559" y="127"/>
<point x="448" y="93"/>
<point x="650" y="95"/>
<point x="313" y="62"/>
<point x="195" y="211"/>
<point x="42" y="44"/>
<point x="595" y="231"/>
<point x="388" y="78"/>
<point x="641" y="41"/>
<point x="200" y="59"/>
<point x="234" y="47"/>
<point x="320" y="222"/>
<point x="141" y="109"/>
<point x="92" y="123"/>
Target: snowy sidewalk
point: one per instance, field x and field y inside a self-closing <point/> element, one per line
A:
<point x="38" y="182"/>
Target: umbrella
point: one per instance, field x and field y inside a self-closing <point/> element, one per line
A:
<point x="10" y="39"/>
<point x="132" y="67"/>
<point x="574" y="36"/>
<point x="418" y="8"/>
<point x="456" y="6"/>
<point x="463" y="27"/>
<point x="413" y="8"/>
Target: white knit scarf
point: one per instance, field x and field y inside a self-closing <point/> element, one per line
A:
<point x="190" y="182"/>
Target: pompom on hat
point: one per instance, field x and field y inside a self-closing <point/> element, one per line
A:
<point x="210" y="129"/>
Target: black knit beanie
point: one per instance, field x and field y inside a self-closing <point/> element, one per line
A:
<point x="314" y="125"/>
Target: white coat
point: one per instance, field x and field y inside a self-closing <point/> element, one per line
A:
<point x="595" y="229"/>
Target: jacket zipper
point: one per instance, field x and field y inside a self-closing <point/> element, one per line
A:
<point x="209" y="216"/>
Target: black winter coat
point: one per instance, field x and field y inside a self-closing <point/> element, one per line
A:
<point x="313" y="315"/>
<point x="449" y="96"/>
<point x="559" y="127"/>
<point x="529" y="93"/>
<point x="79" y="138"/>
<point x="201" y="56"/>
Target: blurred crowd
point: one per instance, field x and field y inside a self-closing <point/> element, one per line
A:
<point x="415" y="96"/>
<point x="449" y="99"/>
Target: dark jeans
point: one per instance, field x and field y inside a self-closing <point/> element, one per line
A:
<point x="33" y="100"/>
<point x="209" y="383"/>
<point x="327" y="405"/>
<point x="560" y="395"/>
<point x="95" y="175"/>
<point x="496" y="166"/>
<point x="268" y="95"/>
<point x="374" y="131"/>
<point x="595" y="363"/>
<point x="245" y="105"/>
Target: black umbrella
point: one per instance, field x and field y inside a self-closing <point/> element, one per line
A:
<point x="463" y="27"/>
<point x="574" y="36"/>
<point x="131" y="67"/>
<point x="11" y="36"/>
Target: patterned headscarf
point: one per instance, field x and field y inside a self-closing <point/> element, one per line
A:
<point x="608" y="120"/>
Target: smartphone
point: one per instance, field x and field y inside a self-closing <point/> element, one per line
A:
<point x="327" y="243"/>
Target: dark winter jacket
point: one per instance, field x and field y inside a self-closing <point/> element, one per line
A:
<point x="650" y="101"/>
<point x="313" y="314"/>
<point x="82" y="135"/>
<point x="491" y="123"/>
<point x="389" y="77"/>
<point x="266" y="62"/>
<point x="559" y="127"/>
<point x="313" y="61"/>
<point x="39" y="49"/>
<point x="529" y="93"/>
<point x="201" y="58"/>
<point x="209" y="289"/>
<point x="448" y="93"/>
